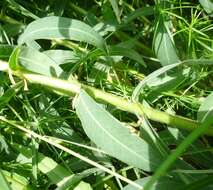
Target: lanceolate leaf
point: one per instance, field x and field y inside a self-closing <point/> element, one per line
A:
<point x="150" y="78"/>
<point x="61" y="28"/>
<point x="35" y="61"/>
<point x="206" y="106"/>
<point x="110" y="135"/>
<point x="163" y="44"/>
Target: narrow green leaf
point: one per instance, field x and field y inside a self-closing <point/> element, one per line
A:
<point x="4" y="183"/>
<point x="110" y="135"/>
<point x="35" y="61"/>
<point x="206" y="106"/>
<point x="163" y="44"/>
<point x="20" y="9"/>
<point x="61" y="28"/>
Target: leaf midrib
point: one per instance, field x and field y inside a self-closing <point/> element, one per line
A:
<point x="112" y="137"/>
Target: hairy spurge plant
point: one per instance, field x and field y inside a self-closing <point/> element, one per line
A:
<point x="106" y="95"/>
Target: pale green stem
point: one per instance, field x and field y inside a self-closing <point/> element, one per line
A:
<point x="72" y="88"/>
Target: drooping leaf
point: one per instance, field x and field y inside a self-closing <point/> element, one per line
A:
<point x="35" y="61"/>
<point x="61" y="28"/>
<point x="151" y="78"/>
<point x="110" y="135"/>
<point x="166" y="78"/>
<point x="206" y="106"/>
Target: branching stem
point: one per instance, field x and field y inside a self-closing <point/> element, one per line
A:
<point x="72" y="88"/>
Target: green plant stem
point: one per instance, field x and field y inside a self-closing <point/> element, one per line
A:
<point x="72" y="88"/>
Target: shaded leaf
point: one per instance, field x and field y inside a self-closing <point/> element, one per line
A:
<point x="35" y="61"/>
<point x="163" y="44"/>
<point x="110" y="135"/>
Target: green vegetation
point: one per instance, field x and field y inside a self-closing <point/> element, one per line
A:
<point x="106" y="95"/>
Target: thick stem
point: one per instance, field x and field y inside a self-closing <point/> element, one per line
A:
<point x="72" y="88"/>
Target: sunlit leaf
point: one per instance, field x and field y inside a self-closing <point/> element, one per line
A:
<point x="61" y="28"/>
<point x="110" y="135"/>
